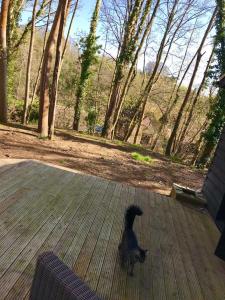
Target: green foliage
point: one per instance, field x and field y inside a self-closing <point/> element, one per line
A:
<point x="34" y="113"/>
<point x="217" y="112"/>
<point x="12" y="38"/>
<point x="16" y="111"/>
<point x="91" y="121"/>
<point x="139" y="157"/>
<point x="89" y="50"/>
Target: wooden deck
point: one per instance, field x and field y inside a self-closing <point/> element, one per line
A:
<point x="80" y="218"/>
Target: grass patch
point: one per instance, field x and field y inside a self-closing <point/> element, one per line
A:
<point x="139" y="157"/>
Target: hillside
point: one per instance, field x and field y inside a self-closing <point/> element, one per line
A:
<point x="93" y="155"/>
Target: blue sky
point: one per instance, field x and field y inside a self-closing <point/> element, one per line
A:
<point x="82" y="18"/>
<point x="82" y="23"/>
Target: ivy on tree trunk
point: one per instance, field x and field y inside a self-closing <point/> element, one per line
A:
<point x="88" y="58"/>
<point x="217" y="112"/>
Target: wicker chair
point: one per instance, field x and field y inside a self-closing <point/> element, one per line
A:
<point x="53" y="280"/>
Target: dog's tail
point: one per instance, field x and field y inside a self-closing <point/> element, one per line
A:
<point x="130" y="214"/>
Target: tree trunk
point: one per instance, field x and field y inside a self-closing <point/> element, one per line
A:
<point x="165" y="117"/>
<point x="40" y="65"/>
<point x="132" y="33"/>
<point x="187" y="123"/>
<point x="151" y="80"/>
<point x="3" y="61"/>
<point x="29" y="63"/>
<point x="88" y="57"/>
<point x="45" y="74"/>
<point x="57" y="68"/>
<point x="188" y="93"/>
<point x="131" y="73"/>
<point x="205" y="154"/>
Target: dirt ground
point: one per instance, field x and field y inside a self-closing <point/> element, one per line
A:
<point x="98" y="157"/>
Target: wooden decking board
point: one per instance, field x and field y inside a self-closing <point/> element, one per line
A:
<point x="80" y="218"/>
<point x="67" y="238"/>
<point x="184" y="250"/>
<point x="27" y="200"/>
<point x="95" y="266"/>
<point x="16" y="228"/>
<point x="118" y="290"/>
<point x="86" y="229"/>
<point x="133" y="283"/>
<point x="177" y="255"/>
<point x="28" y="253"/>
<point x="85" y="256"/>
<point x="107" y="271"/>
<point x="25" y="185"/>
<point x="84" y="226"/>
<point x="166" y="249"/>
<point x="156" y="227"/>
<point x="21" y="288"/>
<point x="196" y="254"/>
<point x="24" y="178"/>
<point x="146" y="203"/>
<point x="28" y="232"/>
<point x="15" y="176"/>
<point x="210" y="264"/>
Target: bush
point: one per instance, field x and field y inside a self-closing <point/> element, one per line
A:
<point x="16" y="110"/>
<point x="34" y="113"/>
<point x="91" y="120"/>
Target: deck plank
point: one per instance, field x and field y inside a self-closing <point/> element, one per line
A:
<point x="207" y="258"/>
<point x="119" y="279"/>
<point x="95" y="266"/>
<point x="75" y="192"/>
<point x="80" y="218"/>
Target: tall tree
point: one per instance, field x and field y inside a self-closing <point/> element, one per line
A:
<point x="147" y="90"/>
<point x="132" y="70"/>
<point x="217" y="112"/>
<point x="189" y="89"/>
<point x="29" y="63"/>
<point x="164" y="119"/>
<point x="88" y="58"/>
<point x="3" y="60"/>
<point x="46" y="70"/>
<point x="193" y="104"/>
<point x="134" y="29"/>
<point x="58" y="63"/>
<point x="41" y="61"/>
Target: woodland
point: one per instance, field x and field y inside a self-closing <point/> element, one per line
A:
<point x="143" y="72"/>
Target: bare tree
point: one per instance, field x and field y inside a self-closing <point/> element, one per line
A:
<point x="29" y="63"/>
<point x="194" y="102"/>
<point x="188" y="93"/>
<point x="145" y="95"/>
<point x="40" y="64"/>
<point x="3" y="61"/>
<point x="137" y="14"/>
<point x="175" y="91"/>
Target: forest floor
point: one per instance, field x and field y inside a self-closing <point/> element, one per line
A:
<point x="99" y="157"/>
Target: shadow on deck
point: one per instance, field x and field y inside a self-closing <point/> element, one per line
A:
<point x="80" y="218"/>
